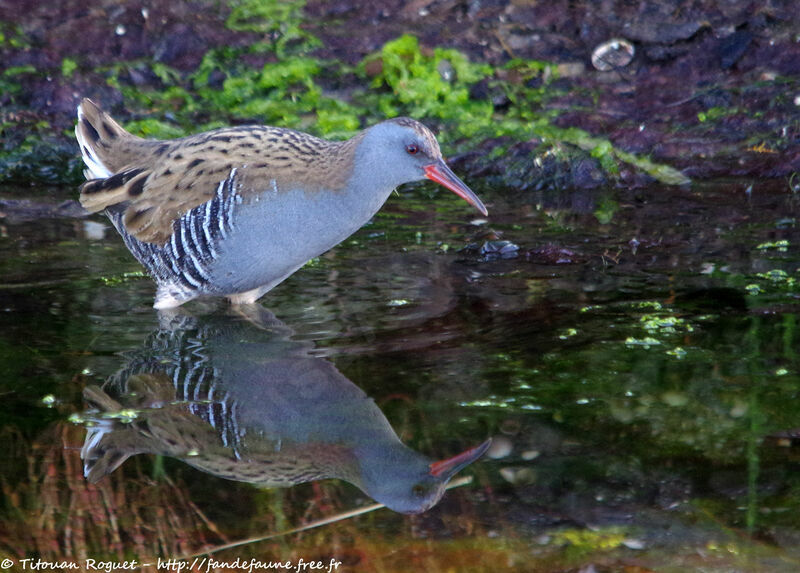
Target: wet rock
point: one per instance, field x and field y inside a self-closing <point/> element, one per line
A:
<point x="587" y="174"/>
<point x="552" y="255"/>
<point x="637" y="138"/>
<point x="784" y="536"/>
<point x="714" y="97"/>
<point x="183" y="43"/>
<point x="142" y="76"/>
<point x="654" y="27"/>
<point x="734" y="483"/>
<point x="49" y="160"/>
<point x="732" y="48"/>
<point x="485" y="89"/>
<point x="674" y="492"/>
<point x="498" y="250"/>
<point x="662" y="53"/>
<point x="523" y="168"/>
<point x="492" y="250"/>
<point x="21" y="210"/>
<point x="633" y="543"/>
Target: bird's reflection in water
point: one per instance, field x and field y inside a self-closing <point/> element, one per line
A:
<point x="241" y="400"/>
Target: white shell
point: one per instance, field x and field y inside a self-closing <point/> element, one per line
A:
<point x="612" y="55"/>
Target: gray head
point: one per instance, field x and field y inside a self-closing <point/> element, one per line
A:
<point x="408" y="482"/>
<point x="402" y="150"/>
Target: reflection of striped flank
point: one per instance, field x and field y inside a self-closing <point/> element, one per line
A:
<point x="182" y="357"/>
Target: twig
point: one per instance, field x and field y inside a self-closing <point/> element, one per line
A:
<point x="319" y="523"/>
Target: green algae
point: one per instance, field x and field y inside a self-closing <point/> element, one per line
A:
<point x="68" y="67"/>
<point x="9" y="79"/>
<point x="12" y="36"/>
<point x="427" y="86"/>
<point x="279" y="20"/>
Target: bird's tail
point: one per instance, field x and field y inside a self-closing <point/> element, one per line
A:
<point x="97" y="134"/>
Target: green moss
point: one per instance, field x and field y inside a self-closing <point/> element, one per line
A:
<point x="428" y="86"/>
<point x="8" y="79"/>
<point x="605" y="210"/>
<point x="715" y="113"/>
<point x="68" y="67"/>
<point x="29" y="152"/>
<point x="278" y="20"/>
<point x="607" y="154"/>
<point x="12" y="36"/>
<point x="590" y="541"/>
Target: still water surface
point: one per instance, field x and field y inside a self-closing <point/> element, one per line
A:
<point x="632" y="353"/>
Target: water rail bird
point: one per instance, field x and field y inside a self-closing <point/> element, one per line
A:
<point x="234" y="211"/>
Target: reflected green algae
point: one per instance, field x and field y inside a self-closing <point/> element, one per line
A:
<point x="687" y="403"/>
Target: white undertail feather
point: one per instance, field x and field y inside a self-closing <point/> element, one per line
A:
<point x="94" y="167"/>
<point x="166" y="299"/>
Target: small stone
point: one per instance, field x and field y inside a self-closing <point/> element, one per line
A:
<point x="501" y="447"/>
<point x="675" y="399"/>
<point x="518" y="476"/>
<point x="633" y="543"/>
<point x="446" y="70"/>
<point x="570" y="69"/>
<point x="612" y="55"/>
<point x="499" y="249"/>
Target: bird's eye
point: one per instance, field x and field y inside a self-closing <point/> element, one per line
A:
<point x="412" y="149"/>
<point x="418" y="490"/>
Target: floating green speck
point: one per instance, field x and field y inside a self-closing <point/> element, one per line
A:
<point x="124" y="416"/>
<point x="781" y="245"/>
<point x="677" y="352"/>
<point x="646" y="342"/>
<point x="753" y="289"/>
<point x="568" y="333"/>
<point x="775" y="275"/>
